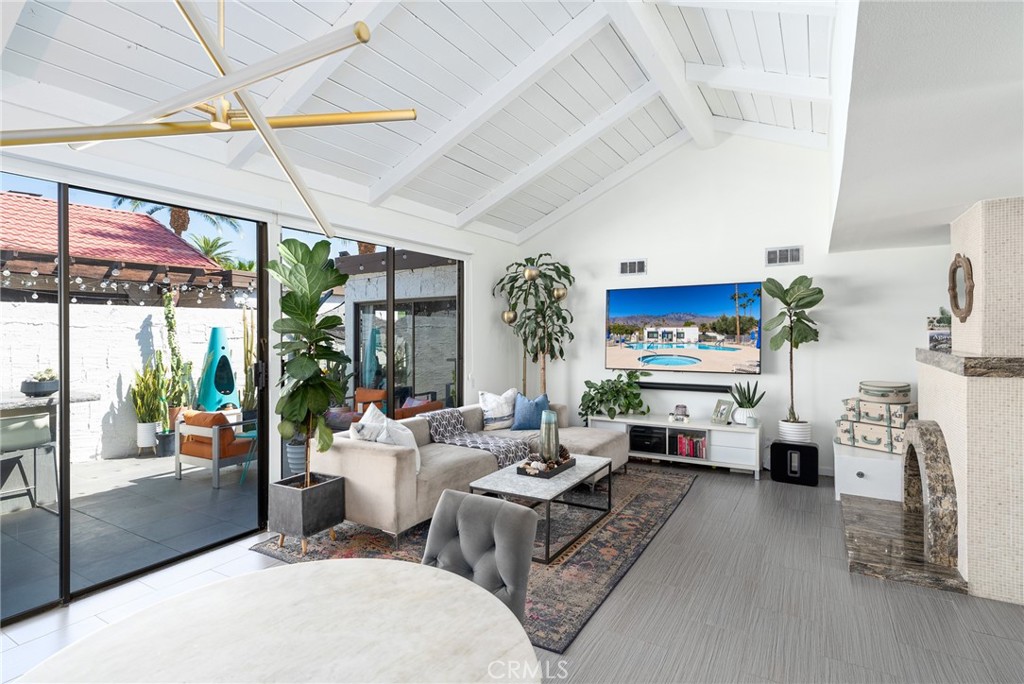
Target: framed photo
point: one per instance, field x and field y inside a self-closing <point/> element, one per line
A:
<point x="722" y="412"/>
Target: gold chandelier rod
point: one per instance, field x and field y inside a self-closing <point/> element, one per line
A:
<point x="237" y="121"/>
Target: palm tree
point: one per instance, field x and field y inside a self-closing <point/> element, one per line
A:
<point x="244" y="265"/>
<point x="179" y="216"/>
<point x="215" y="249"/>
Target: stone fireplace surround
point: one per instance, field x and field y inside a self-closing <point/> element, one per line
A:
<point x="961" y="526"/>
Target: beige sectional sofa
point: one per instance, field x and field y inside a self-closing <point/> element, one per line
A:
<point x="383" y="489"/>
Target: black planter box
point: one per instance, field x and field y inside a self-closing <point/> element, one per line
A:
<point x="296" y="512"/>
<point x="547" y="474"/>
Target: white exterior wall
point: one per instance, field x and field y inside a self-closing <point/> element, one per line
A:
<point x="108" y="344"/>
<point x="706" y="216"/>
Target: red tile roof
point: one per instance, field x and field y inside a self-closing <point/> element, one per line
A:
<point x="29" y="224"/>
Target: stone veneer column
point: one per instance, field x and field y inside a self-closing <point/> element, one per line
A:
<point x="976" y="395"/>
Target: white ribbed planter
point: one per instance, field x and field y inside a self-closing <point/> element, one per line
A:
<point x="794" y="432"/>
<point x="740" y="415"/>
<point x="145" y="435"/>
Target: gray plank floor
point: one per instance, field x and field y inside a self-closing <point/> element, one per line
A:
<point x="747" y="582"/>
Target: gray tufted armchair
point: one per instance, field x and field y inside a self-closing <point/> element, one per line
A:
<point x="486" y="540"/>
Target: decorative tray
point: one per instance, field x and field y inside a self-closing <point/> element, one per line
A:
<point x="546" y="474"/>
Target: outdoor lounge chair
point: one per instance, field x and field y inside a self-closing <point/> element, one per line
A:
<point x="209" y="440"/>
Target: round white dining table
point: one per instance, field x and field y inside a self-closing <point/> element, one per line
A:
<point x="353" y="620"/>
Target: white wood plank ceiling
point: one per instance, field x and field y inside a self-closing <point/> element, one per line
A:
<point x="526" y="110"/>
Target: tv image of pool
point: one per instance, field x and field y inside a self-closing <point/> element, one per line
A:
<point x="657" y="360"/>
<point x="652" y="346"/>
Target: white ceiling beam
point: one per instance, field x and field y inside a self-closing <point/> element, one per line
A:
<point x="10" y="12"/>
<point x="605" y="184"/>
<point x="748" y="80"/>
<point x="574" y="34"/>
<point x="816" y="141"/>
<point x="818" y="8"/>
<point x="327" y="44"/>
<point x="299" y="85"/>
<point x="646" y="34"/>
<point x="564" y="150"/>
<point x="205" y="34"/>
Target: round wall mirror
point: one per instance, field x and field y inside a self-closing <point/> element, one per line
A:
<point x="961" y="287"/>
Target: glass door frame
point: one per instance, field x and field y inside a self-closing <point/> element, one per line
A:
<point x="65" y="594"/>
<point x="391" y="304"/>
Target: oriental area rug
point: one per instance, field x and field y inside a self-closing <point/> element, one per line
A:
<point x="565" y="594"/>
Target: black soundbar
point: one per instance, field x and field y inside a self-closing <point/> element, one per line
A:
<point x="676" y="387"/>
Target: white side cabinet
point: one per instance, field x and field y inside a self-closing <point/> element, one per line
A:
<point x="697" y="442"/>
<point x="864" y="472"/>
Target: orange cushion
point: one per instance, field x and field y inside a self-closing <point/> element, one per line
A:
<point x="416" y="410"/>
<point x="209" y="419"/>
<point x="239" y="447"/>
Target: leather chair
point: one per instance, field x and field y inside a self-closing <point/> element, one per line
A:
<point x="487" y="540"/>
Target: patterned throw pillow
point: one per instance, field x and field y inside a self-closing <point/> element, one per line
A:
<point x="498" y="409"/>
<point x="445" y="424"/>
<point x="527" y="416"/>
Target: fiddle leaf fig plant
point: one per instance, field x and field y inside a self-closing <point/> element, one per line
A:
<point x="308" y="274"/>
<point x="611" y="397"/>
<point x="795" y="326"/>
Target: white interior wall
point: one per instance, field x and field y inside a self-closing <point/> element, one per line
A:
<point x="706" y="216"/>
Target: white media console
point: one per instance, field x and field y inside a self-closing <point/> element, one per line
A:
<point x="726" y="446"/>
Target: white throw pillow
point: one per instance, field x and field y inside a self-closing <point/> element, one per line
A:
<point x="499" y="409"/>
<point x="374" y="426"/>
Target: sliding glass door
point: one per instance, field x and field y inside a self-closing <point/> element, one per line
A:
<point x="161" y="318"/>
<point x="29" y="420"/>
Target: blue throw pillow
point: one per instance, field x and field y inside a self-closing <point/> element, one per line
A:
<point x="527" y="415"/>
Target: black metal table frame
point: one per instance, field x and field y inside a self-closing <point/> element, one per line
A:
<point x="548" y="556"/>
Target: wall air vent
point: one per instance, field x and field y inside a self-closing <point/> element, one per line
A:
<point x="633" y="267"/>
<point x="783" y="256"/>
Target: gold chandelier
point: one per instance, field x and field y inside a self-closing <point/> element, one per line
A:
<point x="210" y="100"/>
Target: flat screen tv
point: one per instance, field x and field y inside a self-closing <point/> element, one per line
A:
<point x="687" y="328"/>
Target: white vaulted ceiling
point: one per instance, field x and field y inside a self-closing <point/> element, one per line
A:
<point x="526" y="110"/>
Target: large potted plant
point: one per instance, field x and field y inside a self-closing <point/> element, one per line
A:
<point x="614" y="396"/>
<point x="305" y="504"/>
<point x="148" y="394"/>
<point x="534" y="290"/>
<point x="796" y="328"/>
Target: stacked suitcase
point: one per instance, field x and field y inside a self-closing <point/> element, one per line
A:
<point x="877" y="418"/>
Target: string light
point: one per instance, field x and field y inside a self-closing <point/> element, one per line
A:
<point x="74" y="300"/>
<point x="35" y="295"/>
<point x="34" y="272"/>
<point x="115" y="271"/>
<point x="7" y="272"/>
<point x="109" y="302"/>
<point x="78" y="280"/>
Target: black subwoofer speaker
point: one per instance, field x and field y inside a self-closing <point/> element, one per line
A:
<point x="795" y="463"/>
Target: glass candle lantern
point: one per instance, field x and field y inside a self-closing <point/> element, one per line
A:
<point x="549" y="436"/>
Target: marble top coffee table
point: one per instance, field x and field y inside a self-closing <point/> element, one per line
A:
<point x="353" y="620"/>
<point x="507" y="482"/>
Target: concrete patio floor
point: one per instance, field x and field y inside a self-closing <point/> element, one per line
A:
<point x="126" y="514"/>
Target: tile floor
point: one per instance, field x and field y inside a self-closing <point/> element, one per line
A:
<point x="746" y="582"/>
<point x="127" y="514"/>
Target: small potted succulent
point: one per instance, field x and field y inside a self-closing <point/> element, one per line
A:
<point x="40" y="384"/>
<point x="747" y="399"/>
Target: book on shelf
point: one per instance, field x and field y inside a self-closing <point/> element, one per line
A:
<point x="691" y="447"/>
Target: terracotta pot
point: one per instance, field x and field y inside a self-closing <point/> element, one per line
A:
<point x="172" y="416"/>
